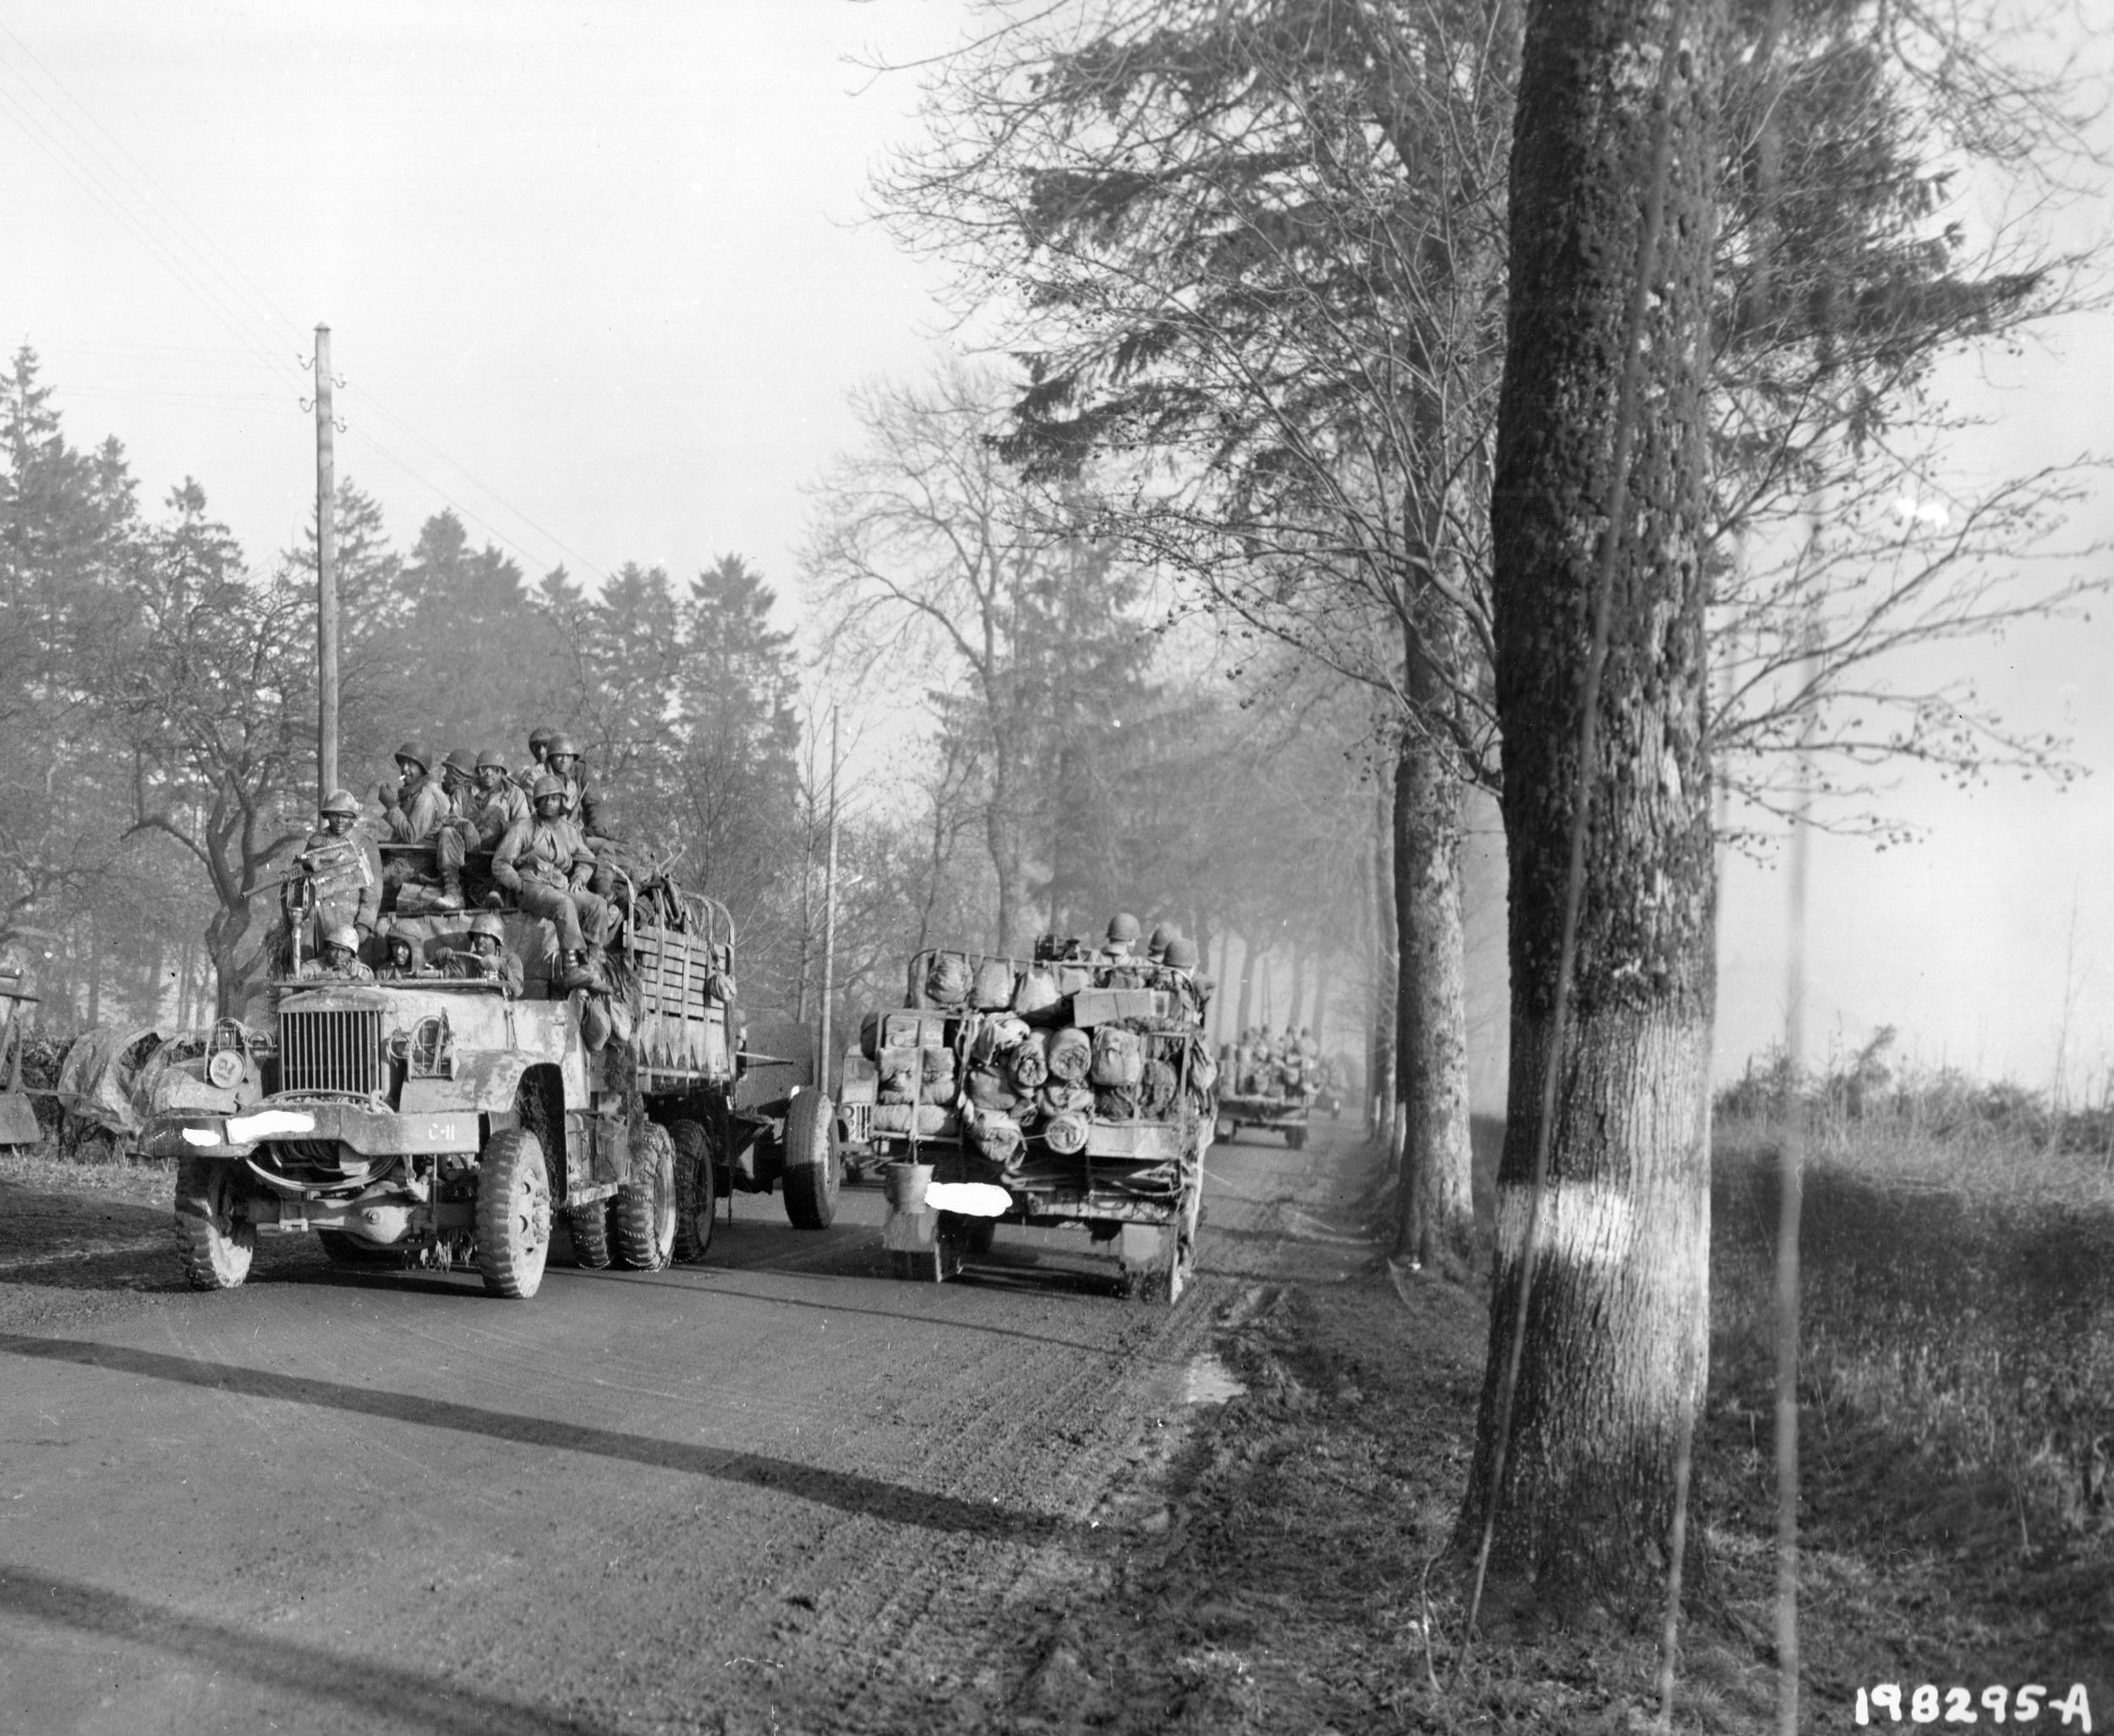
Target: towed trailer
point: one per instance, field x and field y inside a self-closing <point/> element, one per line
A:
<point x="1286" y="1113"/>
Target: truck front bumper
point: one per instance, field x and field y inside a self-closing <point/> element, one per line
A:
<point x="372" y="1132"/>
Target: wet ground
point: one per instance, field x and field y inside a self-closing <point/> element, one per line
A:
<point x="780" y="1490"/>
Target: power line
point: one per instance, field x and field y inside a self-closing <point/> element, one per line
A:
<point x="219" y="282"/>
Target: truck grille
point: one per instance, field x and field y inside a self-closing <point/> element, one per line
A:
<point x="335" y="1050"/>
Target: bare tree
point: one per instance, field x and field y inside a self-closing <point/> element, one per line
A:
<point x="957" y="578"/>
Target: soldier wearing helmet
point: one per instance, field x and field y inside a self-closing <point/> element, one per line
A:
<point x="485" y="814"/>
<point x="338" y="961"/>
<point x="545" y="864"/>
<point x="539" y="741"/>
<point x="487" y="957"/>
<point x="413" y="802"/>
<point x="1156" y="948"/>
<point x="341" y="867"/>
<point x="414" y="806"/>
<point x="582" y="807"/>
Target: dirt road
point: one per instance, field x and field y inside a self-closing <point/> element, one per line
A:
<point x="777" y="1491"/>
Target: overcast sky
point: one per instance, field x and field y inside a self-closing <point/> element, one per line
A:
<point x="596" y="277"/>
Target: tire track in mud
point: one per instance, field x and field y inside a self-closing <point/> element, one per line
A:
<point x="827" y="1626"/>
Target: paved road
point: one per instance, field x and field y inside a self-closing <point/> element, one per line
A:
<point x="746" y="1495"/>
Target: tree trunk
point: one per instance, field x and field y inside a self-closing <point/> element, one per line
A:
<point x="1435" y="1210"/>
<point x="1617" y="1338"/>
<point x="1386" y="1011"/>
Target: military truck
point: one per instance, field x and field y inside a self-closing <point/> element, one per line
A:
<point x="1054" y="1091"/>
<point x="1276" y="1095"/>
<point x="438" y="1120"/>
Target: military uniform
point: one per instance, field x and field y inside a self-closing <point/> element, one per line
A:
<point x="546" y="864"/>
<point x="503" y="967"/>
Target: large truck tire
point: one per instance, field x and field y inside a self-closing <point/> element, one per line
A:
<point x="589" y="1224"/>
<point x="513" y="1214"/>
<point x="643" y="1216"/>
<point x="697" y="1198"/>
<point x="213" y="1245"/>
<point x="813" y="1165"/>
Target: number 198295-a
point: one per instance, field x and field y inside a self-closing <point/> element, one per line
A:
<point x="1929" y="1703"/>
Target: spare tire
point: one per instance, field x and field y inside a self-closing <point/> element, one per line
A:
<point x="814" y="1165"/>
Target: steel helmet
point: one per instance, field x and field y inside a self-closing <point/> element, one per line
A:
<point x="417" y="755"/>
<point x="541" y="737"/>
<point x="547" y="785"/>
<point x="1162" y="935"/>
<point x="489" y="758"/>
<point x="343" y="934"/>
<point x="490" y="924"/>
<point x="561" y="743"/>
<point x="459" y="759"/>
<point x="341" y="802"/>
<point x="1123" y="927"/>
<point x="1182" y="953"/>
<point x="403" y="940"/>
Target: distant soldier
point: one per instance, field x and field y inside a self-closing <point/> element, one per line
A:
<point x="1156" y="947"/>
<point x="343" y="868"/>
<point x="546" y="864"/>
<point x="539" y="741"/>
<point x="488" y="957"/>
<point x="1122" y="941"/>
<point x="339" y="961"/>
<point x="404" y="963"/>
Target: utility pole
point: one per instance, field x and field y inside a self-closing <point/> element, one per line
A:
<point x="829" y="918"/>
<point x="326" y="575"/>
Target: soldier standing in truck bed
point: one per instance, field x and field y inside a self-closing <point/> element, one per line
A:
<point x="546" y="864"/>
<point x="344" y="867"/>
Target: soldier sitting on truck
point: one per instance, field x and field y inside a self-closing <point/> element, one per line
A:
<point x="404" y="963"/>
<point x="484" y="815"/>
<point x="488" y="958"/>
<point x="339" y="961"/>
<point x="546" y="864"/>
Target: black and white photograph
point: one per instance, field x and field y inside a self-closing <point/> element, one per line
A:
<point x="899" y="866"/>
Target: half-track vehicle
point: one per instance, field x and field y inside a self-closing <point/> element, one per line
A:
<point x="440" y="1120"/>
<point x="1054" y="1091"/>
